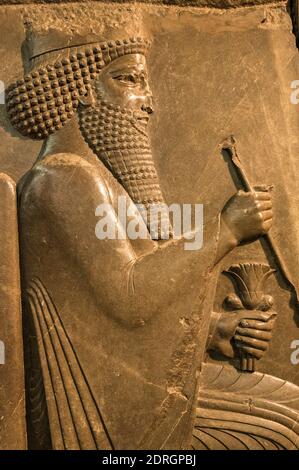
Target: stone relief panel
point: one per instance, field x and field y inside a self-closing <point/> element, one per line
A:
<point x="124" y="342"/>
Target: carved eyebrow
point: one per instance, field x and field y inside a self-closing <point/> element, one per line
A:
<point x="124" y="71"/>
<point x="128" y="69"/>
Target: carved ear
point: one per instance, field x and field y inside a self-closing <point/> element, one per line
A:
<point x="88" y="99"/>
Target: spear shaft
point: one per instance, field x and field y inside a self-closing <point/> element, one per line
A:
<point x="229" y="146"/>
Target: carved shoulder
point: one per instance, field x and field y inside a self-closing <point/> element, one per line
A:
<point x="61" y="178"/>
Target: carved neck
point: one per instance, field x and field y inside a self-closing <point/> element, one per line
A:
<point x="67" y="140"/>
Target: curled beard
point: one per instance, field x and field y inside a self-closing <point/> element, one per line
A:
<point x="119" y="138"/>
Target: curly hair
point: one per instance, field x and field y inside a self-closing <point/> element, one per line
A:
<point x="46" y="98"/>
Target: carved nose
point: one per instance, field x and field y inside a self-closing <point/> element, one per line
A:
<point x="148" y="108"/>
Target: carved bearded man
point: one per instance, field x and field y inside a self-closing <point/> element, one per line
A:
<point x="114" y="328"/>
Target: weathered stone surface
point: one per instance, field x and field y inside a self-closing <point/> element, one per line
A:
<point x="182" y="3"/>
<point x="116" y="331"/>
<point x="12" y="393"/>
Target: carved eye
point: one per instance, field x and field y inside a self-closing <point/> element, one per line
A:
<point x="131" y="78"/>
<point x="127" y="78"/>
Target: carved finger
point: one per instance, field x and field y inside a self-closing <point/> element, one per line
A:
<point x="255" y="343"/>
<point x="257" y="325"/>
<point x="266" y="226"/>
<point x="253" y="352"/>
<point x="263" y="196"/>
<point x="267" y="215"/>
<point x="254" y="333"/>
<point x="257" y="315"/>
<point x="263" y="188"/>
<point x="264" y="205"/>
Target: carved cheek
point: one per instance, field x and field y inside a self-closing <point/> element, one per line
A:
<point x="133" y="99"/>
<point x="126" y="97"/>
<point x="116" y="93"/>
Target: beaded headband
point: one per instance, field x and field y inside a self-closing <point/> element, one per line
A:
<point x="46" y="98"/>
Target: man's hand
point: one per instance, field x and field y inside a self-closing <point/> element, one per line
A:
<point x="248" y="215"/>
<point x="248" y="331"/>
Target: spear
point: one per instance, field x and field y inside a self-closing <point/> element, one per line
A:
<point x="229" y="147"/>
